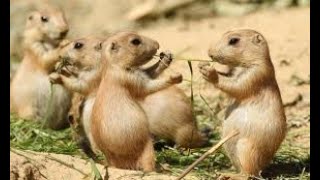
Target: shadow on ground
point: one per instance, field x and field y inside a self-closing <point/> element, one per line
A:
<point x="293" y="168"/>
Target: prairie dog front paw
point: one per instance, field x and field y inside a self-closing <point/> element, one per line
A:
<point x="166" y="58"/>
<point x="55" y="78"/>
<point x="208" y="72"/>
<point x="175" y="78"/>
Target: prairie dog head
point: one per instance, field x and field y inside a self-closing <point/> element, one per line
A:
<point x="129" y="49"/>
<point x="47" y="25"/>
<point x="241" y="48"/>
<point x="84" y="54"/>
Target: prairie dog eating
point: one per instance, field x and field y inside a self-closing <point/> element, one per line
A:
<point x="80" y="72"/>
<point x="257" y="111"/>
<point x="169" y="110"/>
<point x="120" y="126"/>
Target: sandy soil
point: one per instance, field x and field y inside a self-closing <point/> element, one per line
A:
<point x="288" y="34"/>
<point x="29" y="165"/>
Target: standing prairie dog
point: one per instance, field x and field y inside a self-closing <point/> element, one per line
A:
<point x="120" y="126"/>
<point x="31" y="96"/>
<point x="83" y="76"/>
<point x="257" y="112"/>
<point x="169" y="110"/>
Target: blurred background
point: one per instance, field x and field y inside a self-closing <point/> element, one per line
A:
<point x="186" y="27"/>
<point x="103" y="16"/>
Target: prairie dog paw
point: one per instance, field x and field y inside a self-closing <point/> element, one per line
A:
<point x="55" y="78"/>
<point x="203" y="64"/>
<point x="166" y="57"/>
<point x="66" y="71"/>
<point x="64" y="42"/>
<point x="176" y="78"/>
<point x="208" y="72"/>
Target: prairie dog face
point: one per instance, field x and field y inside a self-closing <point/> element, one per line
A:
<point x="129" y="49"/>
<point x="240" y="48"/>
<point x="49" y="24"/>
<point x="84" y="53"/>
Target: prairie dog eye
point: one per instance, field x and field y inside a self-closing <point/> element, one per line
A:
<point x="136" y="42"/>
<point x="78" y="45"/>
<point x="44" y="19"/>
<point x="233" y="41"/>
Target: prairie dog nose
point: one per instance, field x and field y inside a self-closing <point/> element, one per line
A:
<point x="64" y="33"/>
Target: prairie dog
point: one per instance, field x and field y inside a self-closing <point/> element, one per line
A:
<point x="81" y="76"/>
<point x="79" y="132"/>
<point x="169" y="110"/>
<point x="257" y="111"/>
<point x="120" y="126"/>
<point x="30" y="89"/>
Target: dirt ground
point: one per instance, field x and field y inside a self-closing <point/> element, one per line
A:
<point x="29" y="165"/>
<point x="288" y="34"/>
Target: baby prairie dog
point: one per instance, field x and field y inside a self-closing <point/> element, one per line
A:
<point x="257" y="111"/>
<point x="31" y="96"/>
<point x="81" y="74"/>
<point x="120" y="126"/>
<point x="169" y="110"/>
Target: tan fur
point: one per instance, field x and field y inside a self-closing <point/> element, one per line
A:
<point x="175" y="124"/>
<point x="85" y="69"/>
<point x="170" y="117"/>
<point x="119" y="124"/>
<point x="257" y="111"/>
<point x="30" y="89"/>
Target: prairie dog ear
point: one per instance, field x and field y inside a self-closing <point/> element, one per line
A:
<point x="113" y="47"/>
<point x="257" y="39"/>
<point x="30" y="17"/>
<point x="98" y="46"/>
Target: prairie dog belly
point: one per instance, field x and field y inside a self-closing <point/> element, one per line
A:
<point x="254" y="121"/>
<point x="30" y="89"/>
<point x="49" y="104"/>
<point x="120" y="128"/>
<point x="61" y="103"/>
<point x="86" y="118"/>
<point x="42" y="92"/>
<point x="53" y="103"/>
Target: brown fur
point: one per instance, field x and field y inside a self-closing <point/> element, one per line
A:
<point x="175" y="124"/>
<point x="257" y="111"/>
<point x="119" y="124"/>
<point x="30" y="89"/>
